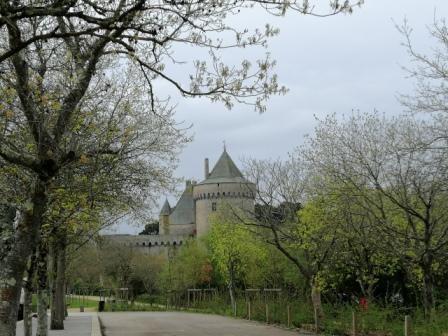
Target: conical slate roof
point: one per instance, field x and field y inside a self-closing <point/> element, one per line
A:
<point x="225" y="170"/>
<point x="183" y="212"/>
<point x="166" y="209"/>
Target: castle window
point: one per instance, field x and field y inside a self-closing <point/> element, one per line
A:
<point x="223" y="193"/>
<point x="208" y="195"/>
<point x="218" y="194"/>
<point x="143" y="243"/>
<point x="214" y="206"/>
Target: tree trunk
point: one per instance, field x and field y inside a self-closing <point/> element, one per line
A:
<point x="23" y="240"/>
<point x="232" y="296"/>
<point x="28" y="299"/>
<point x="231" y="284"/>
<point x="12" y="267"/>
<point x="58" y="282"/>
<point x="428" y="287"/>
<point x="317" y="304"/>
<point x="42" y="291"/>
<point x="27" y="311"/>
<point x="42" y="318"/>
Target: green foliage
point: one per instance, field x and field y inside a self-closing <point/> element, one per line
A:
<point x="236" y="253"/>
<point x="187" y="267"/>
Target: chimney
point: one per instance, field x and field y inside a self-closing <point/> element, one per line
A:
<point x="206" y="173"/>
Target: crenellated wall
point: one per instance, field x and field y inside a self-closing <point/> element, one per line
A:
<point x="211" y="196"/>
<point x="149" y="244"/>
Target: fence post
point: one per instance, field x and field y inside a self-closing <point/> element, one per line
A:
<point x="289" y="315"/>
<point x="267" y="313"/>
<point x="354" y="331"/>
<point x="407" y="326"/>
<point x="248" y="310"/>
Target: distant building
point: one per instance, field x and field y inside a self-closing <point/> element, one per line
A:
<point x="224" y="186"/>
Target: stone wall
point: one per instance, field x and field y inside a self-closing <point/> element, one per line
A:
<point x="210" y="197"/>
<point x="150" y="244"/>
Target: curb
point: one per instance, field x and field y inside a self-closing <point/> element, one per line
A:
<point x="96" y="329"/>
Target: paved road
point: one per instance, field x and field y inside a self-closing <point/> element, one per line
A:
<point x="75" y="325"/>
<point x="183" y="324"/>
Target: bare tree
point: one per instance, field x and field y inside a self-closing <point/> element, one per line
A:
<point x="429" y="73"/>
<point x="281" y="193"/>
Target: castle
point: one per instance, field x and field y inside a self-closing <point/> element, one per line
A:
<point x="223" y="187"/>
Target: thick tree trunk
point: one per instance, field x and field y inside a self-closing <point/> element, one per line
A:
<point x="42" y="291"/>
<point x="428" y="287"/>
<point x="11" y="271"/>
<point x="27" y="312"/>
<point x="58" y="282"/>
<point x="13" y="262"/>
<point x="42" y="318"/>
<point x="28" y="300"/>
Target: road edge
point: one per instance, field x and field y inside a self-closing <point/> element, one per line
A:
<point x="96" y="329"/>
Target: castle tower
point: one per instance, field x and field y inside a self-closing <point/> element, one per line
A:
<point x="224" y="186"/>
<point x="164" y="218"/>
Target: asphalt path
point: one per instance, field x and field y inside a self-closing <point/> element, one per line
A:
<point x="183" y="324"/>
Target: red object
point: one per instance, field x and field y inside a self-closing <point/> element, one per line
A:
<point x="363" y="304"/>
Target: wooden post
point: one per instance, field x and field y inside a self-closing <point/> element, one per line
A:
<point x="288" y="309"/>
<point x="316" y="320"/>
<point x="407" y="326"/>
<point x="267" y="313"/>
<point x="354" y="331"/>
<point x="248" y="310"/>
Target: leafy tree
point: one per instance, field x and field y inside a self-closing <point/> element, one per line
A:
<point x="235" y="251"/>
<point x="397" y="179"/>
<point x="188" y="266"/>
<point x="359" y="253"/>
<point x="151" y="228"/>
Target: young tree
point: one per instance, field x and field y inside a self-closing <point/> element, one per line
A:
<point x="186" y="267"/>
<point x="234" y="249"/>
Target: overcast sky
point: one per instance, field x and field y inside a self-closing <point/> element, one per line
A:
<point x="330" y="65"/>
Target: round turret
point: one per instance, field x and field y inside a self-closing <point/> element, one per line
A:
<point x="225" y="186"/>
